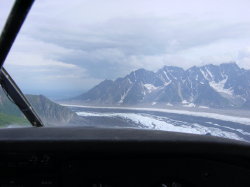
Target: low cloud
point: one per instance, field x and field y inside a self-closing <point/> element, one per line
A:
<point x="76" y="45"/>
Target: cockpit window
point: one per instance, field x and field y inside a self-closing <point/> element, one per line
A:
<point x="181" y="66"/>
<point x="5" y="10"/>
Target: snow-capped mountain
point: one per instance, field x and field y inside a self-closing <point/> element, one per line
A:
<point x="223" y="86"/>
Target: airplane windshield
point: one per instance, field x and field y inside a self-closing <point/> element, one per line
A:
<point x="181" y="66"/>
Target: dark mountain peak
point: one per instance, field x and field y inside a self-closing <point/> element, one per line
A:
<point x="119" y="79"/>
<point x="104" y="83"/>
<point x="230" y="67"/>
<point x="230" y="64"/>
<point x="213" y="72"/>
<point x="171" y="73"/>
<point x="193" y="68"/>
<point x="210" y="65"/>
<point x="140" y="72"/>
<point x="197" y="75"/>
<point x="141" y="75"/>
<point x="209" y="68"/>
<point x="172" y="68"/>
<point x="107" y="81"/>
<point x="38" y="98"/>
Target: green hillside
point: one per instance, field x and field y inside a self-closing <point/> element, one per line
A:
<point x="6" y="119"/>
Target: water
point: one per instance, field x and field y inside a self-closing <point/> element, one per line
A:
<point x="178" y="121"/>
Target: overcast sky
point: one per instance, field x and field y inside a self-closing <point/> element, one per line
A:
<point x="73" y="45"/>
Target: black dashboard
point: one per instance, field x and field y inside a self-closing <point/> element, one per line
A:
<point x="94" y="157"/>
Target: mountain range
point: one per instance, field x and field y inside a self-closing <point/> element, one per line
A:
<point x="217" y="86"/>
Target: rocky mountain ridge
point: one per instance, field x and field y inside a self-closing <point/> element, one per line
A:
<point x="50" y="112"/>
<point x="220" y="86"/>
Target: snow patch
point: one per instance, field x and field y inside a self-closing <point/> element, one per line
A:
<point x="129" y="81"/>
<point x="210" y="74"/>
<point x="163" y="123"/>
<point x="167" y="83"/>
<point x="150" y="87"/>
<point x="179" y="91"/>
<point x="238" y="130"/>
<point x="189" y="105"/>
<point x="219" y="87"/>
<point x="185" y="103"/>
<point x="166" y="75"/>
<point x="196" y="78"/>
<point x="91" y="114"/>
<point x="169" y="104"/>
<point x="124" y="96"/>
<point x="204" y="74"/>
<point x="203" y="107"/>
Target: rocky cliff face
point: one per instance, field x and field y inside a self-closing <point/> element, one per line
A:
<point x="50" y="112"/>
<point x="219" y="86"/>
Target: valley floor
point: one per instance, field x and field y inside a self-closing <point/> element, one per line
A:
<point x="242" y="116"/>
<point x="205" y="122"/>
